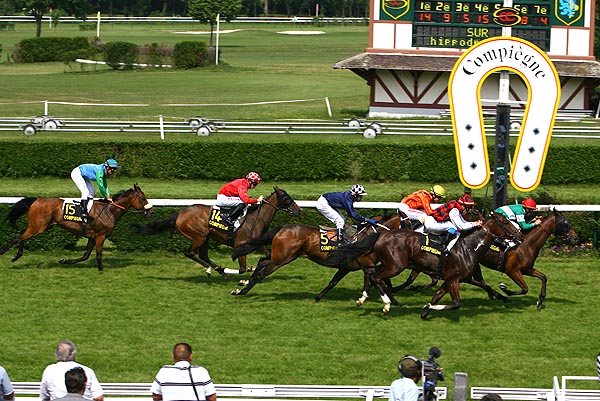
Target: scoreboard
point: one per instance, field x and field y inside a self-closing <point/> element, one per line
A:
<point x="462" y="23"/>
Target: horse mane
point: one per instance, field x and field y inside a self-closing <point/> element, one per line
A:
<point x="122" y="194"/>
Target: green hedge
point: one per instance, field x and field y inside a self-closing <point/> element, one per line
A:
<point x="368" y="161"/>
<point x="46" y="49"/>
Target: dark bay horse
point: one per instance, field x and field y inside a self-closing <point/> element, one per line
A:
<point x="192" y="223"/>
<point x="291" y="241"/>
<point x="520" y="260"/>
<point x="44" y="213"/>
<point x="397" y="250"/>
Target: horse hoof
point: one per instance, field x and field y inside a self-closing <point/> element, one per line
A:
<point x="250" y="269"/>
<point x="243" y="283"/>
<point x="386" y="309"/>
<point x="502" y="286"/>
<point x="63" y="261"/>
<point x="235" y="292"/>
<point x="359" y="303"/>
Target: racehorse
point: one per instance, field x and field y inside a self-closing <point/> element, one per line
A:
<point x="397" y="250"/>
<point x="44" y="213"/>
<point x="291" y="241"/>
<point x="519" y="261"/>
<point x="192" y="223"/>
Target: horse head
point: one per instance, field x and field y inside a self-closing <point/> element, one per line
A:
<point x="134" y="198"/>
<point x="500" y="226"/>
<point x="283" y="201"/>
<point x="562" y="228"/>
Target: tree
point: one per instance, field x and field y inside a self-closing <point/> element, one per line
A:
<point x="37" y="8"/>
<point x="206" y="11"/>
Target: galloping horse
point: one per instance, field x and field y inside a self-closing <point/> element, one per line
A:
<point x="520" y="260"/>
<point x="43" y="213"/>
<point x="291" y="241"/>
<point x="192" y="223"/>
<point x="397" y="250"/>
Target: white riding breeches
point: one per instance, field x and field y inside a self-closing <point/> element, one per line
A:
<point x="86" y="187"/>
<point x="228" y="201"/>
<point x="413" y="214"/>
<point x="330" y="213"/>
<point x="437" y="227"/>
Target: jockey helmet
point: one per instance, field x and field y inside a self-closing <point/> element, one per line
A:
<point x="529" y="203"/>
<point x="358" y="189"/>
<point x="438" y="191"/>
<point x="253" y="177"/>
<point x="466" y="200"/>
<point x="112" y="163"/>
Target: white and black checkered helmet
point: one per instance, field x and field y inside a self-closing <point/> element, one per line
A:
<point x="358" y="189"/>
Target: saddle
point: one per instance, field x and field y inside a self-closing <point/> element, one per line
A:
<point x="219" y="219"/>
<point x="329" y="239"/>
<point x="72" y="212"/>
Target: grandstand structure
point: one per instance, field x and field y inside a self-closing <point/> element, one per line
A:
<point x="414" y="45"/>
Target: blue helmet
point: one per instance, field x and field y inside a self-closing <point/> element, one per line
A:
<point x="112" y="163"/>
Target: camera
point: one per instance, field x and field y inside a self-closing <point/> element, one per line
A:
<point x="432" y="373"/>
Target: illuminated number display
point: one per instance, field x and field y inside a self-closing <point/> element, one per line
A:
<point x="461" y="24"/>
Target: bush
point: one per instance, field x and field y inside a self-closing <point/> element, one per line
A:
<point x="38" y="50"/>
<point x="120" y="55"/>
<point x="189" y="54"/>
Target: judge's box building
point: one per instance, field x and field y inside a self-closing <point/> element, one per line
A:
<point x="414" y="45"/>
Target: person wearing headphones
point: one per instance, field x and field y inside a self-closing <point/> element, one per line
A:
<point x="417" y="205"/>
<point x="84" y="174"/>
<point x="517" y="214"/>
<point x="330" y="205"/>
<point x="234" y="195"/>
<point x="405" y="388"/>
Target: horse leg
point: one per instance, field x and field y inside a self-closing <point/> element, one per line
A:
<point x="337" y="277"/>
<point x="264" y="268"/>
<point x="10" y="244"/>
<point x="478" y="281"/>
<point x="533" y="272"/>
<point x="88" y="251"/>
<point x="453" y="287"/>
<point x="384" y="293"/>
<point x="517" y="277"/>
<point x="411" y="279"/>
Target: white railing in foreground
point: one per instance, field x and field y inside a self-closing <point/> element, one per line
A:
<point x="241" y="392"/>
<point x="559" y="392"/>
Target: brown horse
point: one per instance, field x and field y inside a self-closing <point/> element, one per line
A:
<point x="397" y="250"/>
<point x="192" y="223"/>
<point x="519" y="261"/>
<point x="291" y="241"/>
<point x="43" y="213"/>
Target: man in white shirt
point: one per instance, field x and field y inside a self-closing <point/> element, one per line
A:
<point x="53" y="379"/>
<point x="405" y="388"/>
<point x="6" y="388"/>
<point x="182" y="381"/>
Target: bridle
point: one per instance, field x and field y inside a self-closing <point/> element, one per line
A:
<point x="287" y="209"/>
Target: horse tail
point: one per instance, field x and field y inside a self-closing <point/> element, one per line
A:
<point x="346" y="253"/>
<point x="254" y="243"/>
<point x="18" y="210"/>
<point x="157" y="227"/>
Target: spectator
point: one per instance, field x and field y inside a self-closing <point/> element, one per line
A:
<point x="598" y="365"/>
<point x="182" y="381"/>
<point x="6" y="388"/>
<point x="405" y="388"/>
<point x="491" y="397"/>
<point x="53" y="379"/>
<point x="75" y="381"/>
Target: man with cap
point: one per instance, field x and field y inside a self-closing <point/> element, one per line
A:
<point x="405" y="388"/>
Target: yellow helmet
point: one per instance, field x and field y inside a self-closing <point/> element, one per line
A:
<point x="438" y="191"/>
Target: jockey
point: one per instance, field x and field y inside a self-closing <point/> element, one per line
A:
<point x="84" y="174"/>
<point x="516" y="213"/>
<point x="331" y="204"/>
<point x="235" y="194"/>
<point x="447" y="218"/>
<point x="417" y="205"/>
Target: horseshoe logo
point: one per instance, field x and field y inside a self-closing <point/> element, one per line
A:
<point x="543" y="86"/>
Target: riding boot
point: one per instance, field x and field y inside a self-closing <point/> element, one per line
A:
<point x="236" y="211"/>
<point x="340" y="235"/>
<point x="84" y="211"/>
<point x="452" y="240"/>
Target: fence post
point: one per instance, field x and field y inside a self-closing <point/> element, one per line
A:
<point x="461" y="381"/>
